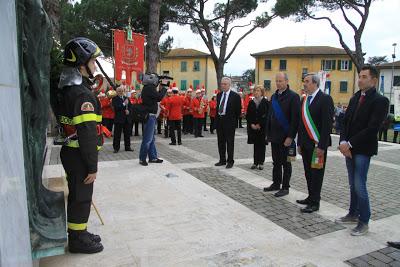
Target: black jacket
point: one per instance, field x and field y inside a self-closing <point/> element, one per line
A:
<point x="290" y="105"/>
<point x="80" y="108"/>
<point x="360" y="128"/>
<point x="232" y="111"/>
<point x="322" y="111"/>
<point x="150" y="97"/>
<point x="119" y="109"/>
<point x="257" y="115"/>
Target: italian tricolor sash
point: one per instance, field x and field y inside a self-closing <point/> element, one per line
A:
<point x="308" y="121"/>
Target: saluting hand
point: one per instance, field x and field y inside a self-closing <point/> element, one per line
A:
<point x="90" y="178"/>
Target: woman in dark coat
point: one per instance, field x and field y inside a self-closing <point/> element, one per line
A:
<point x="256" y="117"/>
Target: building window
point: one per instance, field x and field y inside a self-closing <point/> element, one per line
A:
<point x="196" y="83"/>
<point x="304" y="71"/>
<point x="267" y="85"/>
<point x="343" y="86"/>
<point x="267" y="64"/>
<point x="282" y="64"/>
<point x="396" y="81"/>
<point x="343" y="64"/>
<point x="328" y="64"/>
<point x="183" y="66"/>
<point x="165" y="72"/>
<point x="196" y="66"/>
<point x="183" y="85"/>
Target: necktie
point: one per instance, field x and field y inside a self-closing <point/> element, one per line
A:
<point x="222" y="104"/>
<point x="361" y="100"/>
<point x="309" y="99"/>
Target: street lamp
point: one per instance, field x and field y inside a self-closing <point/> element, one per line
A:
<point x="393" y="57"/>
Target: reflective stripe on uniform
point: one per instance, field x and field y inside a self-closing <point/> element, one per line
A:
<point x="75" y="144"/>
<point x="65" y="120"/>
<point x="77" y="226"/>
<point x="86" y="117"/>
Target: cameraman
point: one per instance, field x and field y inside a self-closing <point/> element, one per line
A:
<point x="150" y="97"/>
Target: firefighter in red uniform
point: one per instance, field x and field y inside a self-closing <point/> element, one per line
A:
<point x="205" y="100"/>
<point x="174" y="106"/>
<point x="79" y="113"/>
<point x="187" y="112"/>
<point x="198" y="107"/>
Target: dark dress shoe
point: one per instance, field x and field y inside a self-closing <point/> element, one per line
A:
<point x="201" y="136"/>
<point x="310" y="208"/>
<point x="115" y="151"/>
<point x="394" y="244"/>
<point x="143" y="162"/>
<point x="172" y="144"/>
<point x="179" y="143"/>
<point x="272" y="187"/>
<point x="128" y="149"/>
<point x="303" y="201"/>
<point x="282" y="192"/>
<point x="229" y="165"/>
<point x="156" y="161"/>
<point x="220" y="163"/>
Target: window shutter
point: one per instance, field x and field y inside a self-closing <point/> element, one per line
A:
<point x="322" y="64"/>
<point x="333" y="64"/>
<point x="350" y="65"/>
<point x="339" y="64"/>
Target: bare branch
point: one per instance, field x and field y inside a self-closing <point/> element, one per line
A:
<point x="239" y="40"/>
<point x="355" y="6"/>
<point x="347" y="19"/>
<point x="241" y="26"/>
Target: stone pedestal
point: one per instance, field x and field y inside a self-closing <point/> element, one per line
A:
<point x="15" y="249"/>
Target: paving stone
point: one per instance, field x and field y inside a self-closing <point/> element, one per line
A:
<point x="278" y="210"/>
<point x="381" y="257"/>
<point x="395" y="255"/>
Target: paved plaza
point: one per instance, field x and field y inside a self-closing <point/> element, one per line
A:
<point x="187" y="212"/>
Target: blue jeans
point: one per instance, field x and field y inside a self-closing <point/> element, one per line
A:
<point x="357" y="168"/>
<point x="148" y="146"/>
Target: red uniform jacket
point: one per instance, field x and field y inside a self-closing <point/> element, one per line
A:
<point x="246" y="102"/>
<point x="187" y="105"/>
<point x="213" y="108"/>
<point x="164" y="107"/>
<point x="174" y="106"/>
<point x="106" y="107"/>
<point x="198" y="107"/>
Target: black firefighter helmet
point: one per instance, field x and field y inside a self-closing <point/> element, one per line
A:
<point x="79" y="51"/>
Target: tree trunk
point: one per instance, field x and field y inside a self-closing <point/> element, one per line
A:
<point x="53" y="10"/>
<point x="153" y="38"/>
<point x="219" y="69"/>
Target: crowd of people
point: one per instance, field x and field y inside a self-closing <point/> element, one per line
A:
<point x="287" y="121"/>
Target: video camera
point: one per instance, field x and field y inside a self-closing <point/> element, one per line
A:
<point x="154" y="79"/>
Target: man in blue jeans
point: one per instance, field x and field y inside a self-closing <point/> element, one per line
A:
<point x="150" y="98"/>
<point x="358" y="143"/>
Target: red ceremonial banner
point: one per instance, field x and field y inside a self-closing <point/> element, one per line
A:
<point x="129" y="55"/>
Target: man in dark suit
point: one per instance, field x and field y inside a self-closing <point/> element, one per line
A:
<point x="282" y="126"/>
<point x="121" y="105"/>
<point x="358" y="143"/>
<point x="317" y="111"/>
<point x="228" y="111"/>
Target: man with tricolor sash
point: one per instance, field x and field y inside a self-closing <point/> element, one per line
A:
<point x="317" y="111"/>
<point x="358" y="143"/>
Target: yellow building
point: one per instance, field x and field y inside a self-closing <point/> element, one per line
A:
<point x="298" y="60"/>
<point x="189" y="67"/>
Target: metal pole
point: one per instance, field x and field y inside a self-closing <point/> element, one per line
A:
<point x="391" y="87"/>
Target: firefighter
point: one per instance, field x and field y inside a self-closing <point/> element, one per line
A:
<point x="79" y="113"/>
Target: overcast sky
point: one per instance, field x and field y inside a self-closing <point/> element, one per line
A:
<point x="381" y="31"/>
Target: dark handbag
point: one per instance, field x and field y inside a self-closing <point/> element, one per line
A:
<point x="139" y="113"/>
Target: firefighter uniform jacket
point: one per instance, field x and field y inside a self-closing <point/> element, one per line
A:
<point x="80" y="116"/>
